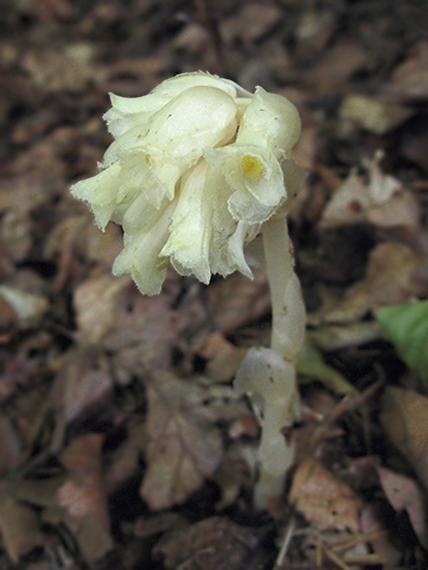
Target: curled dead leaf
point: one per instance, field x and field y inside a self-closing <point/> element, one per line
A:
<point x="81" y="499"/>
<point x="95" y="302"/>
<point x="324" y="501"/>
<point x="405" y="494"/>
<point x="383" y="201"/>
<point x="184" y="447"/>
<point x="392" y="276"/>
<point x="19" y="526"/>
<point x="403" y="418"/>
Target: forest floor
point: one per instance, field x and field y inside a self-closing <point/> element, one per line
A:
<point x="122" y="443"/>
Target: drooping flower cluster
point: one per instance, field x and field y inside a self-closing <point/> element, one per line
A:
<point x="197" y="166"/>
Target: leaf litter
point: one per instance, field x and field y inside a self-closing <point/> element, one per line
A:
<point x="122" y="442"/>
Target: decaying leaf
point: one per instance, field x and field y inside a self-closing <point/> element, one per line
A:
<point x="213" y="544"/>
<point x="338" y="63"/>
<point x="410" y="79"/>
<point x="143" y="334"/>
<point x="372" y="113"/>
<point x="78" y="233"/>
<point x="404" y="494"/>
<point x="237" y="300"/>
<point x="391" y="277"/>
<point x="125" y="460"/>
<point x="234" y="472"/>
<point x="95" y="303"/>
<point x="29" y="308"/>
<point x="82" y="501"/>
<point x="404" y="419"/>
<point x="83" y="381"/>
<point x="183" y="446"/>
<point x="10" y="445"/>
<point x="383" y="201"/>
<point x="19" y="526"/>
<point x="79" y="347"/>
<point x="325" y="502"/>
<point x="72" y="68"/>
<point x="223" y="358"/>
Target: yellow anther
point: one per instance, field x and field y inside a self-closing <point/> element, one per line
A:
<point x="252" y="167"/>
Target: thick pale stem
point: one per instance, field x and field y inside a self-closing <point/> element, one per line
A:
<point x="279" y="269"/>
<point x="276" y="452"/>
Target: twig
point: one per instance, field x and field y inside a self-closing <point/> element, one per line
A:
<point x="335" y="559"/>
<point x="285" y="544"/>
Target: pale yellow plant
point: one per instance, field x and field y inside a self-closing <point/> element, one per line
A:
<point x="199" y="167"/>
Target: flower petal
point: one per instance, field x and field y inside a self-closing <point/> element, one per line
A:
<point x="176" y="85"/>
<point x="198" y="117"/>
<point x="176" y="135"/>
<point x="126" y="111"/>
<point x="188" y="186"/>
<point x="256" y="178"/>
<point x="191" y="228"/>
<point x="140" y="256"/>
<point x="100" y="192"/>
<point x="270" y="121"/>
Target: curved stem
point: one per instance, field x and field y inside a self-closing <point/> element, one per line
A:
<point x="276" y="452"/>
<point x="279" y="268"/>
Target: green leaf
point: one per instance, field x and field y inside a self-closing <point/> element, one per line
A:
<point x="311" y="366"/>
<point x="406" y="326"/>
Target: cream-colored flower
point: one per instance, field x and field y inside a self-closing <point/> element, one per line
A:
<point x="196" y="166"/>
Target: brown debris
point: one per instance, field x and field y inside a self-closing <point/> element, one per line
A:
<point x="213" y="544"/>
<point x="183" y="448"/>
<point x="105" y="392"/>
<point x="82" y="502"/>
<point x="403" y="418"/>
<point x="324" y="501"/>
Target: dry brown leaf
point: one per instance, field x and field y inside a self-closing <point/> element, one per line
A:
<point x="70" y="68"/>
<point x="29" y="308"/>
<point x="380" y="542"/>
<point x="410" y="79"/>
<point x="336" y="65"/>
<point x="234" y="472"/>
<point x="77" y="232"/>
<point x="383" y="201"/>
<point x="325" y="502"/>
<point x="184" y="448"/>
<point x="405" y="494"/>
<point x="404" y="419"/>
<point x="224" y="358"/>
<point x="371" y="113"/>
<point x="193" y="37"/>
<point x="84" y="380"/>
<point x="19" y="526"/>
<point x="16" y="232"/>
<point x="95" y="303"/>
<point x="47" y="10"/>
<point x="237" y="300"/>
<point x="82" y="501"/>
<point x="313" y="32"/>
<point x="212" y="544"/>
<point x="10" y="446"/>
<point x="8" y="318"/>
<point x="145" y="329"/>
<point x="391" y="277"/>
<point x="414" y="145"/>
<point x="253" y="21"/>
<point x="156" y="523"/>
<point x="124" y="462"/>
